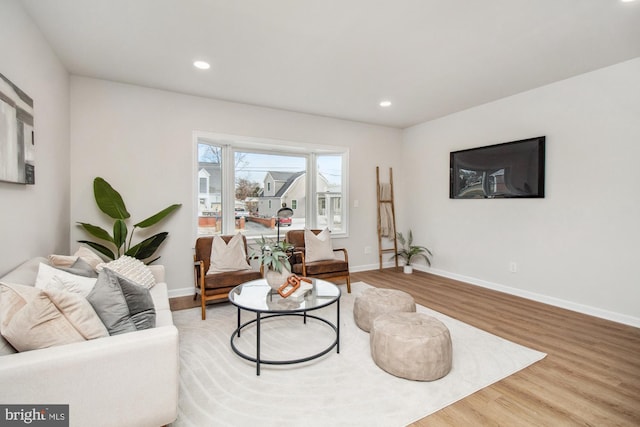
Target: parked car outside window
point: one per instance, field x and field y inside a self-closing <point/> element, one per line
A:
<point x="285" y="222"/>
<point x="240" y="212"/>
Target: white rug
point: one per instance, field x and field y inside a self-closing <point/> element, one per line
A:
<point x="218" y="388"/>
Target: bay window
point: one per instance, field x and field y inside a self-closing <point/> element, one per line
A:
<point x="242" y="182"/>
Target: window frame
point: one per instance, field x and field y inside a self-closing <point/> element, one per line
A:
<point x="229" y="144"/>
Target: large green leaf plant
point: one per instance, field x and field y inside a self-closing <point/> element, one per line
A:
<point x="110" y="202"/>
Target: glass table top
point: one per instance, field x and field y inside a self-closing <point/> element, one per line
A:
<point x="258" y="296"/>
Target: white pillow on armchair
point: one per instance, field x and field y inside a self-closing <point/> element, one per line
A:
<point x="318" y="247"/>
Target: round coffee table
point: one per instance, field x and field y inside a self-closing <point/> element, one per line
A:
<point x="258" y="297"/>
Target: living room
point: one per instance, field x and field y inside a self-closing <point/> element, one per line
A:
<point x="575" y="248"/>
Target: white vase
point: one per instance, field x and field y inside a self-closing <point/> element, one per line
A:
<point x="276" y="279"/>
<point x="408" y="269"/>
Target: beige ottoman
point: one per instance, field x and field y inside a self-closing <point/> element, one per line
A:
<point x="375" y="301"/>
<point x="411" y="345"/>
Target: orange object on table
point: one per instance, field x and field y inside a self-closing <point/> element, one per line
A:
<point x="291" y="285"/>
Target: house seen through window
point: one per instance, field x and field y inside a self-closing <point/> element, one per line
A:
<point x="241" y="187"/>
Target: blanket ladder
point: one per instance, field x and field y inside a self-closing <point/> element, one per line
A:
<point x="386" y="216"/>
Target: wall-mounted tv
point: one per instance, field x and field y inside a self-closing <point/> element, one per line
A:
<point x="508" y="170"/>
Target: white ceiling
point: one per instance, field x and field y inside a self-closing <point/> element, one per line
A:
<point x="339" y="58"/>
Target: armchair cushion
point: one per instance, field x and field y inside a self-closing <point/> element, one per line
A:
<point x="227" y="257"/>
<point x="321" y="267"/>
<point x="318" y="246"/>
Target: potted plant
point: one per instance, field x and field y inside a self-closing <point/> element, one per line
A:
<point x="273" y="258"/>
<point x="110" y="202"/>
<point x="410" y="252"/>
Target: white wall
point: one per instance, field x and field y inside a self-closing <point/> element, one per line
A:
<point x="140" y="140"/>
<point x="577" y="247"/>
<point x="34" y="219"/>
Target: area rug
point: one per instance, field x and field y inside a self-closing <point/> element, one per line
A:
<point x="218" y="388"/>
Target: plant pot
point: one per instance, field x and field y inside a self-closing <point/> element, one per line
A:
<point x="408" y="269"/>
<point x="276" y="279"/>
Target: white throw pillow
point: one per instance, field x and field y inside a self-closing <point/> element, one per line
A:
<point x="34" y="319"/>
<point x="318" y="248"/>
<point x="133" y="269"/>
<point x="52" y="278"/>
<point x="228" y="256"/>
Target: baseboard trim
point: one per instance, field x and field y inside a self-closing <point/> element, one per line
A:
<point x="182" y="292"/>
<point x="557" y="302"/>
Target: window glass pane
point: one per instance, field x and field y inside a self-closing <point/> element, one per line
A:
<point x="329" y="193"/>
<point x="263" y="184"/>
<point x="242" y="183"/>
<point x="210" y="189"/>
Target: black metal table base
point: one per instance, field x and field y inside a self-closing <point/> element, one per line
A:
<point x="258" y="360"/>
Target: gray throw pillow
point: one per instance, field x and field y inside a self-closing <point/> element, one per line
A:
<point x="80" y="268"/>
<point x="122" y="305"/>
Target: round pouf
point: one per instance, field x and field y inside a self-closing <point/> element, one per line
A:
<point x="375" y="301"/>
<point x="411" y="345"/>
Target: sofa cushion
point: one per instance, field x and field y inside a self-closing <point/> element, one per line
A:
<point x="6" y="347"/>
<point x="133" y="269"/>
<point x="34" y="318"/>
<point x="123" y="305"/>
<point x="25" y="273"/>
<point x="51" y="277"/>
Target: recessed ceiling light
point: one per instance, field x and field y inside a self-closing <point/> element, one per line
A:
<point x="202" y="65"/>
<point x="627" y="1"/>
<point x="385" y="103"/>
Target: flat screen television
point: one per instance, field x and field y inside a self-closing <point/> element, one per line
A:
<point x="508" y="170"/>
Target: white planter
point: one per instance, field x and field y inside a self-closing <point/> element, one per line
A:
<point x="408" y="269"/>
<point x="275" y="279"/>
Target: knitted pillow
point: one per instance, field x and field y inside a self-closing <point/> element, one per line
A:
<point x="133" y="269"/>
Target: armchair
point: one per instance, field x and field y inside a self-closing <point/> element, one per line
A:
<point x="216" y="286"/>
<point x="326" y="269"/>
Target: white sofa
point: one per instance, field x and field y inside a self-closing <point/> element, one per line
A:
<point x="122" y="380"/>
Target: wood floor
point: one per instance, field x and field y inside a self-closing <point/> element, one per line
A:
<point x="590" y="377"/>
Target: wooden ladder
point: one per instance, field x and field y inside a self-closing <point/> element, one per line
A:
<point x="383" y="203"/>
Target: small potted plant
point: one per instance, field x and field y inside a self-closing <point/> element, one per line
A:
<point x="409" y="252"/>
<point x="273" y="258"/>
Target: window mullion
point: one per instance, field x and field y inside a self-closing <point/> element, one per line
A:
<point x="228" y="191"/>
<point x="311" y="202"/>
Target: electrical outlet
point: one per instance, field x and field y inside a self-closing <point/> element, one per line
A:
<point x="367" y="249"/>
<point x="513" y="267"/>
